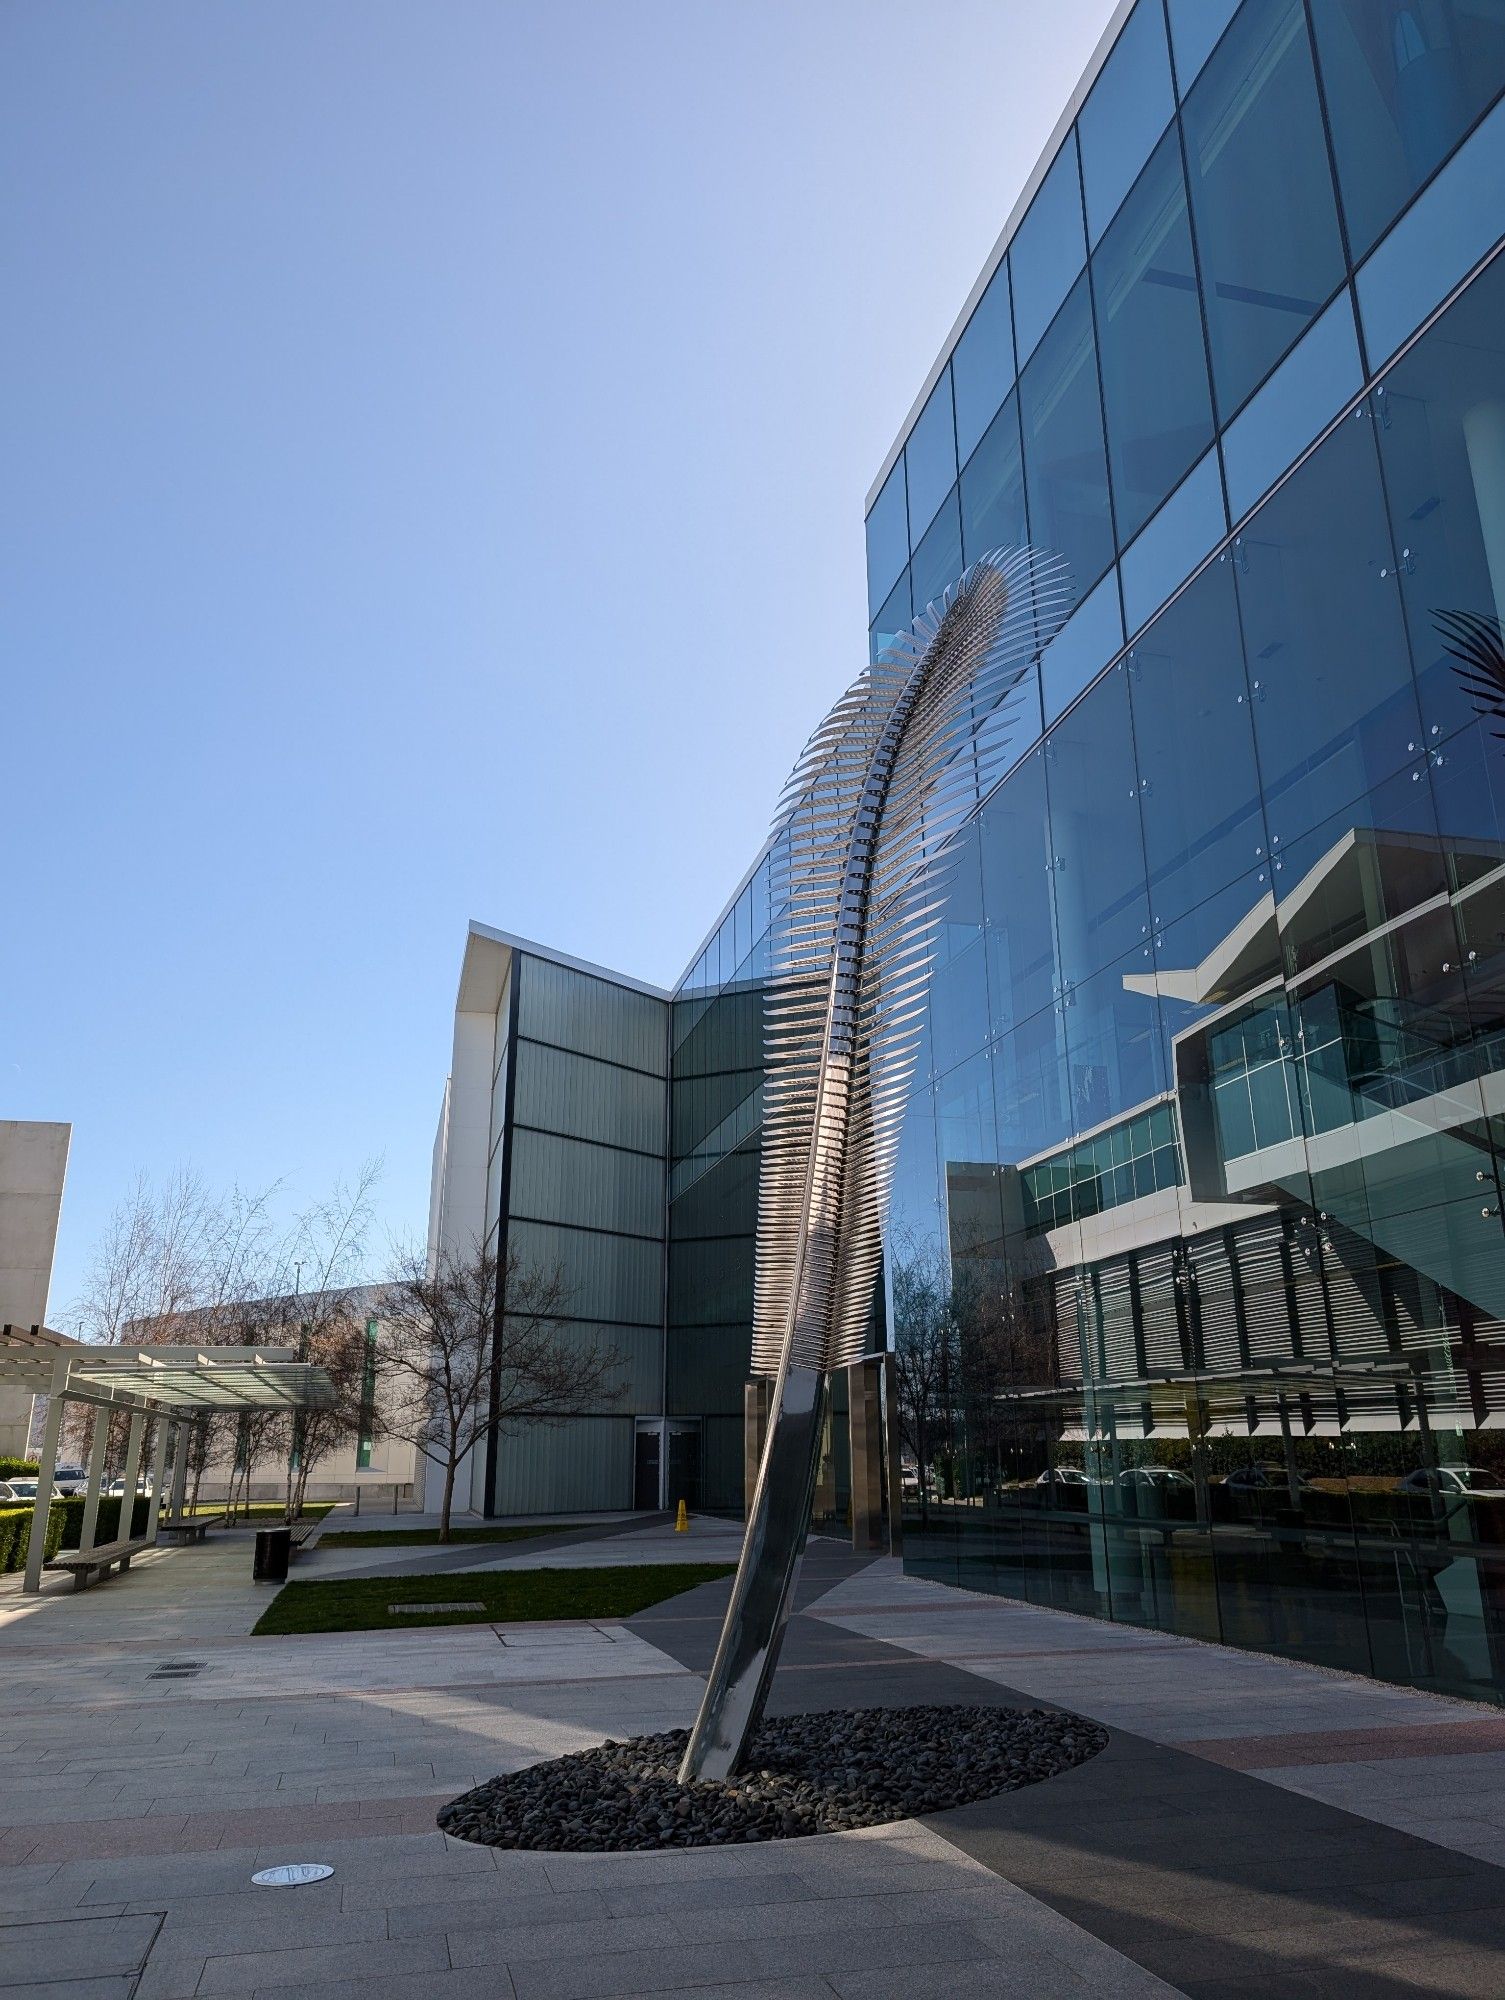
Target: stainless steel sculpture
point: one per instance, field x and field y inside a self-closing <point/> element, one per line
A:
<point x="862" y="842"/>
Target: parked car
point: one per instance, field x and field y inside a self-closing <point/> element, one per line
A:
<point x="1162" y="1478"/>
<point x="70" y="1480"/>
<point x="1264" y="1479"/>
<point x="1063" y="1475"/>
<point x="1454" y="1482"/>
<point x="116" y="1488"/>
<point x="7" y="1493"/>
<point x="22" y="1489"/>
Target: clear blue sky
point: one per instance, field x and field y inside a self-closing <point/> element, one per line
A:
<point x="434" y="438"/>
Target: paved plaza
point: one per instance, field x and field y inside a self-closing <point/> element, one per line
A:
<point x="1255" y="1827"/>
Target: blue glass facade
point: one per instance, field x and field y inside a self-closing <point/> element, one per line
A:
<point x="1200" y="1184"/>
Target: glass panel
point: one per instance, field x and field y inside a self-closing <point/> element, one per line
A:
<point x="938" y="559"/>
<point x="1066" y="471"/>
<point x="1436" y="243"/>
<point x="1019" y="925"/>
<point x="887" y="538"/>
<point x="1113" y="1047"/>
<point x="1190" y="523"/>
<point x="593" y="1187"/>
<point x="605" y="1277"/>
<point x="959" y="985"/>
<point x="1330" y="677"/>
<point x="1081" y="650"/>
<point x="1199" y="784"/>
<point x="1441" y="429"/>
<point x="1404" y="82"/>
<point x="1261" y="193"/>
<point x="992" y="489"/>
<point x="1029" y="1085"/>
<point x="575" y="1010"/>
<point x="1097" y="855"/>
<point x="1308" y="388"/>
<point x="893" y="619"/>
<point x="982" y="367"/>
<point x="1049" y="248"/>
<point x="569" y="1093"/>
<point x="1154" y="362"/>
<point x="1127" y="111"/>
<point x="930" y="458"/>
<point x="1195" y="27"/>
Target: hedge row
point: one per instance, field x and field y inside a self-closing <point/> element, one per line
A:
<point x="64" y="1527"/>
<point x="18" y="1468"/>
<point x="106" y="1528"/>
<point x="15" y="1534"/>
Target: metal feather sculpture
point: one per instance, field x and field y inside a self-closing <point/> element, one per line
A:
<point x="862" y="842"/>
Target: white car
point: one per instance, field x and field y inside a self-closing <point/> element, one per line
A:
<point x="1455" y="1482"/>
<point x="22" y="1489"/>
<point x="70" y="1480"/>
<point x="116" y="1488"/>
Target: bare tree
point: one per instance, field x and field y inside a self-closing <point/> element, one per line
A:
<point x="323" y="1257"/>
<point x="178" y="1263"/>
<point x="924" y="1355"/>
<point x="467" y="1343"/>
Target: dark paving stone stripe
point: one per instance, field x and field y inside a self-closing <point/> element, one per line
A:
<point x="1223" y="1885"/>
<point x="439" y="1558"/>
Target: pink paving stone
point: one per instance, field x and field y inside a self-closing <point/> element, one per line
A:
<point x="252" y="1826"/>
<point x="1350" y="1746"/>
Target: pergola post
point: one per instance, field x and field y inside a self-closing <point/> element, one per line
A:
<point x="99" y="1445"/>
<point x="179" y="1504"/>
<point x="159" y="1467"/>
<point x="36" y="1547"/>
<point x="129" y="1474"/>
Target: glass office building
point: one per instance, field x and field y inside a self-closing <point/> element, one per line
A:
<point x="1200" y="1204"/>
<point x="1196" y="1266"/>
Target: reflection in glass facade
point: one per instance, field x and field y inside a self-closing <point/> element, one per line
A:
<point x="1198" y="1210"/>
<point x="1200" y="1197"/>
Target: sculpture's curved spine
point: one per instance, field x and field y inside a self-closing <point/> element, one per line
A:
<point x="862" y="841"/>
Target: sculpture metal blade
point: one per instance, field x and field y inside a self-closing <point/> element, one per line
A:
<point x="862" y="842"/>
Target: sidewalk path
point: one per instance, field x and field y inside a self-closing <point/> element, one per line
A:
<point x="152" y="1755"/>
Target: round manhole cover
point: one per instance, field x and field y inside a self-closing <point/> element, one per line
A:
<point x="292" y="1874"/>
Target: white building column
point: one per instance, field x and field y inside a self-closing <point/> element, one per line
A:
<point x="129" y="1473"/>
<point x="99" y="1445"/>
<point x="159" y="1470"/>
<point x="36" y="1547"/>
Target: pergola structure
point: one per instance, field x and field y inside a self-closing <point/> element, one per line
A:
<point x="175" y="1385"/>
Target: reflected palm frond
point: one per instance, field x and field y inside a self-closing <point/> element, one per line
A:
<point x="1473" y="639"/>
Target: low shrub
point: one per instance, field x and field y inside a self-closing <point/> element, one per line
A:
<point x="18" y="1468"/>
<point x="15" y="1535"/>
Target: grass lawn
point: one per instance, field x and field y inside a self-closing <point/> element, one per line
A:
<point x="413" y="1538"/>
<point x="359" y="1603"/>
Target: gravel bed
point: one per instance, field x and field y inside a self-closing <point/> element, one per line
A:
<point x="808" y="1774"/>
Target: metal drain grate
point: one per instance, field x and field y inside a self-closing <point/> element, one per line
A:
<point x="428" y="1610"/>
<point x="176" y="1670"/>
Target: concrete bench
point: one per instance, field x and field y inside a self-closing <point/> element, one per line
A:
<point x="94" y="1565"/>
<point x="192" y="1527"/>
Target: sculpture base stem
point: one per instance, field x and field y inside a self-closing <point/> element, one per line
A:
<point x="764" y="1588"/>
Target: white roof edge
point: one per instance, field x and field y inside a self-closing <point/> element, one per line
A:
<point x="1041" y="168"/>
<point x="534" y="950"/>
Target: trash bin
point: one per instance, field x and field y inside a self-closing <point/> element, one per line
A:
<point x="273" y="1547"/>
